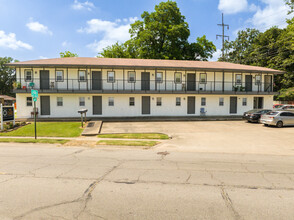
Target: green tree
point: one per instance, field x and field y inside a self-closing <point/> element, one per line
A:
<point x="238" y="51"/>
<point x="7" y="76"/>
<point x="67" y="54"/>
<point x="162" y="34"/>
<point x="290" y="3"/>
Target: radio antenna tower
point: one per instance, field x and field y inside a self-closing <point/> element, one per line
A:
<point x="223" y="36"/>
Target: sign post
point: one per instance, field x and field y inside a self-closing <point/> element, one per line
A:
<point x="34" y="94"/>
<point x="2" y="126"/>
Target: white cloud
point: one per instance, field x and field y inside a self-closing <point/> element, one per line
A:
<point x="111" y="32"/>
<point x="233" y="6"/>
<point x="65" y="44"/>
<point x="9" y="41"/>
<point x="83" y="5"/>
<point x="216" y="55"/>
<point x="273" y="14"/>
<point x="42" y="57"/>
<point x="38" y="27"/>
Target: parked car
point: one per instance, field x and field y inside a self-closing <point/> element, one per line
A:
<point x="285" y="107"/>
<point x="276" y="106"/>
<point x="255" y="114"/>
<point x="278" y="118"/>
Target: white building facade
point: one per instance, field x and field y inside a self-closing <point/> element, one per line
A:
<point x="110" y="87"/>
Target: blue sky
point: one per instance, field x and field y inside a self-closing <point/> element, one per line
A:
<point x="35" y="29"/>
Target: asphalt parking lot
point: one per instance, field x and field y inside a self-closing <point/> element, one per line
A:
<point x="214" y="136"/>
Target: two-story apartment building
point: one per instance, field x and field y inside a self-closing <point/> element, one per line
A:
<point x="113" y="87"/>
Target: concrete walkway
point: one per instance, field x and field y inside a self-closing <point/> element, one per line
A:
<point x="93" y="128"/>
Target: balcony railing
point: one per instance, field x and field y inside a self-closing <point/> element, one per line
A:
<point x="147" y="86"/>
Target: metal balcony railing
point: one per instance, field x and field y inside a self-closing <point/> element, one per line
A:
<point x="121" y="86"/>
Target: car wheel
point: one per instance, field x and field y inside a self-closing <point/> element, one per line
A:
<point x="266" y="125"/>
<point x="279" y="124"/>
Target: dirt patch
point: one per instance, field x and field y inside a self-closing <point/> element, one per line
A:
<point x="81" y="143"/>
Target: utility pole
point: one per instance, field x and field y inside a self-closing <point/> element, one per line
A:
<point x="223" y="35"/>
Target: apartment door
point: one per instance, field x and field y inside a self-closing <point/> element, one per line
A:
<point x="191" y="82"/>
<point x="97" y="105"/>
<point x="96" y="80"/>
<point x="44" y="79"/>
<point x="145" y="81"/>
<point x="191" y="105"/>
<point x="258" y="102"/>
<point x="248" y="83"/>
<point x="233" y="105"/>
<point x="268" y="83"/>
<point x="45" y="105"/>
<point x="145" y="105"/>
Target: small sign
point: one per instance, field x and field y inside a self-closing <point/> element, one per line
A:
<point x="34" y="99"/>
<point x="8" y="113"/>
<point x="34" y="93"/>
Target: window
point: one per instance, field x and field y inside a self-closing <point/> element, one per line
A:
<point x="178" y="101"/>
<point x="59" y="101"/>
<point x="110" y="101"/>
<point x="132" y="76"/>
<point x="110" y="76"/>
<point x="29" y="101"/>
<point x="257" y="79"/>
<point x="132" y="101"/>
<point x="239" y="79"/>
<point x="82" y="101"/>
<point x="59" y="75"/>
<point x="244" y="101"/>
<point x="158" y="77"/>
<point x="202" y="78"/>
<point x="203" y="101"/>
<point x="82" y="75"/>
<point x="178" y="77"/>
<point x="158" y="101"/>
<point x="28" y="75"/>
<point x="287" y="114"/>
<point x="221" y="101"/>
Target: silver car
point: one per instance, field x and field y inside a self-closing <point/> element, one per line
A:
<point x="278" y="118"/>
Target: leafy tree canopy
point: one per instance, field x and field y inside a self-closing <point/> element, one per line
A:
<point x="7" y="76"/>
<point x="162" y="34"/>
<point x="68" y="54"/>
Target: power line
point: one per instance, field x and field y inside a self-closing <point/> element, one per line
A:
<point x="223" y="35"/>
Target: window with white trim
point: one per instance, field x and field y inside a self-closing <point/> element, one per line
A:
<point x="257" y="79"/>
<point x="132" y="77"/>
<point x="59" y="101"/>
<point x="132" y="101"/>
<point x="110" y="101"/>
<point x="203" y="101"/>
<point x="59" y="75"/>
<point x="158" y="101"/>
<point x="28" y="75"/>
<point x="158" y="77"/>
<point x="221" y="101"/>
<point x="202" y="78"/>
<point x="82" y="101"/>
<point x="244" y="101"/>
<point x="238" y="79"/>
<point x="178" y="101"/>
<point x="82" y="75"/>
<point x="178" y="77"/>
<point x="29" y="101"/>
<point x="110" y="76"/>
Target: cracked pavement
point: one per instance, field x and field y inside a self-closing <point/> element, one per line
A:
<point x="51" y="182"/>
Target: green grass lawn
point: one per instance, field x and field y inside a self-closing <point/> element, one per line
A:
<point x="135" y="136"/>
<point x="31" y="140"/>
<point x="128" y="143"/>
<point x="48" y="129"/>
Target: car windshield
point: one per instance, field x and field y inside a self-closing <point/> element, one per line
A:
<point x="272" y="113"/>
<point x="253" y="110"/>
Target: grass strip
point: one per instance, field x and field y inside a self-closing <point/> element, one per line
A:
<point x="31" y="140"/>
<point x="135" y="136"/>
<point x="128" y="143"/>
<point x="48" y="129"/>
